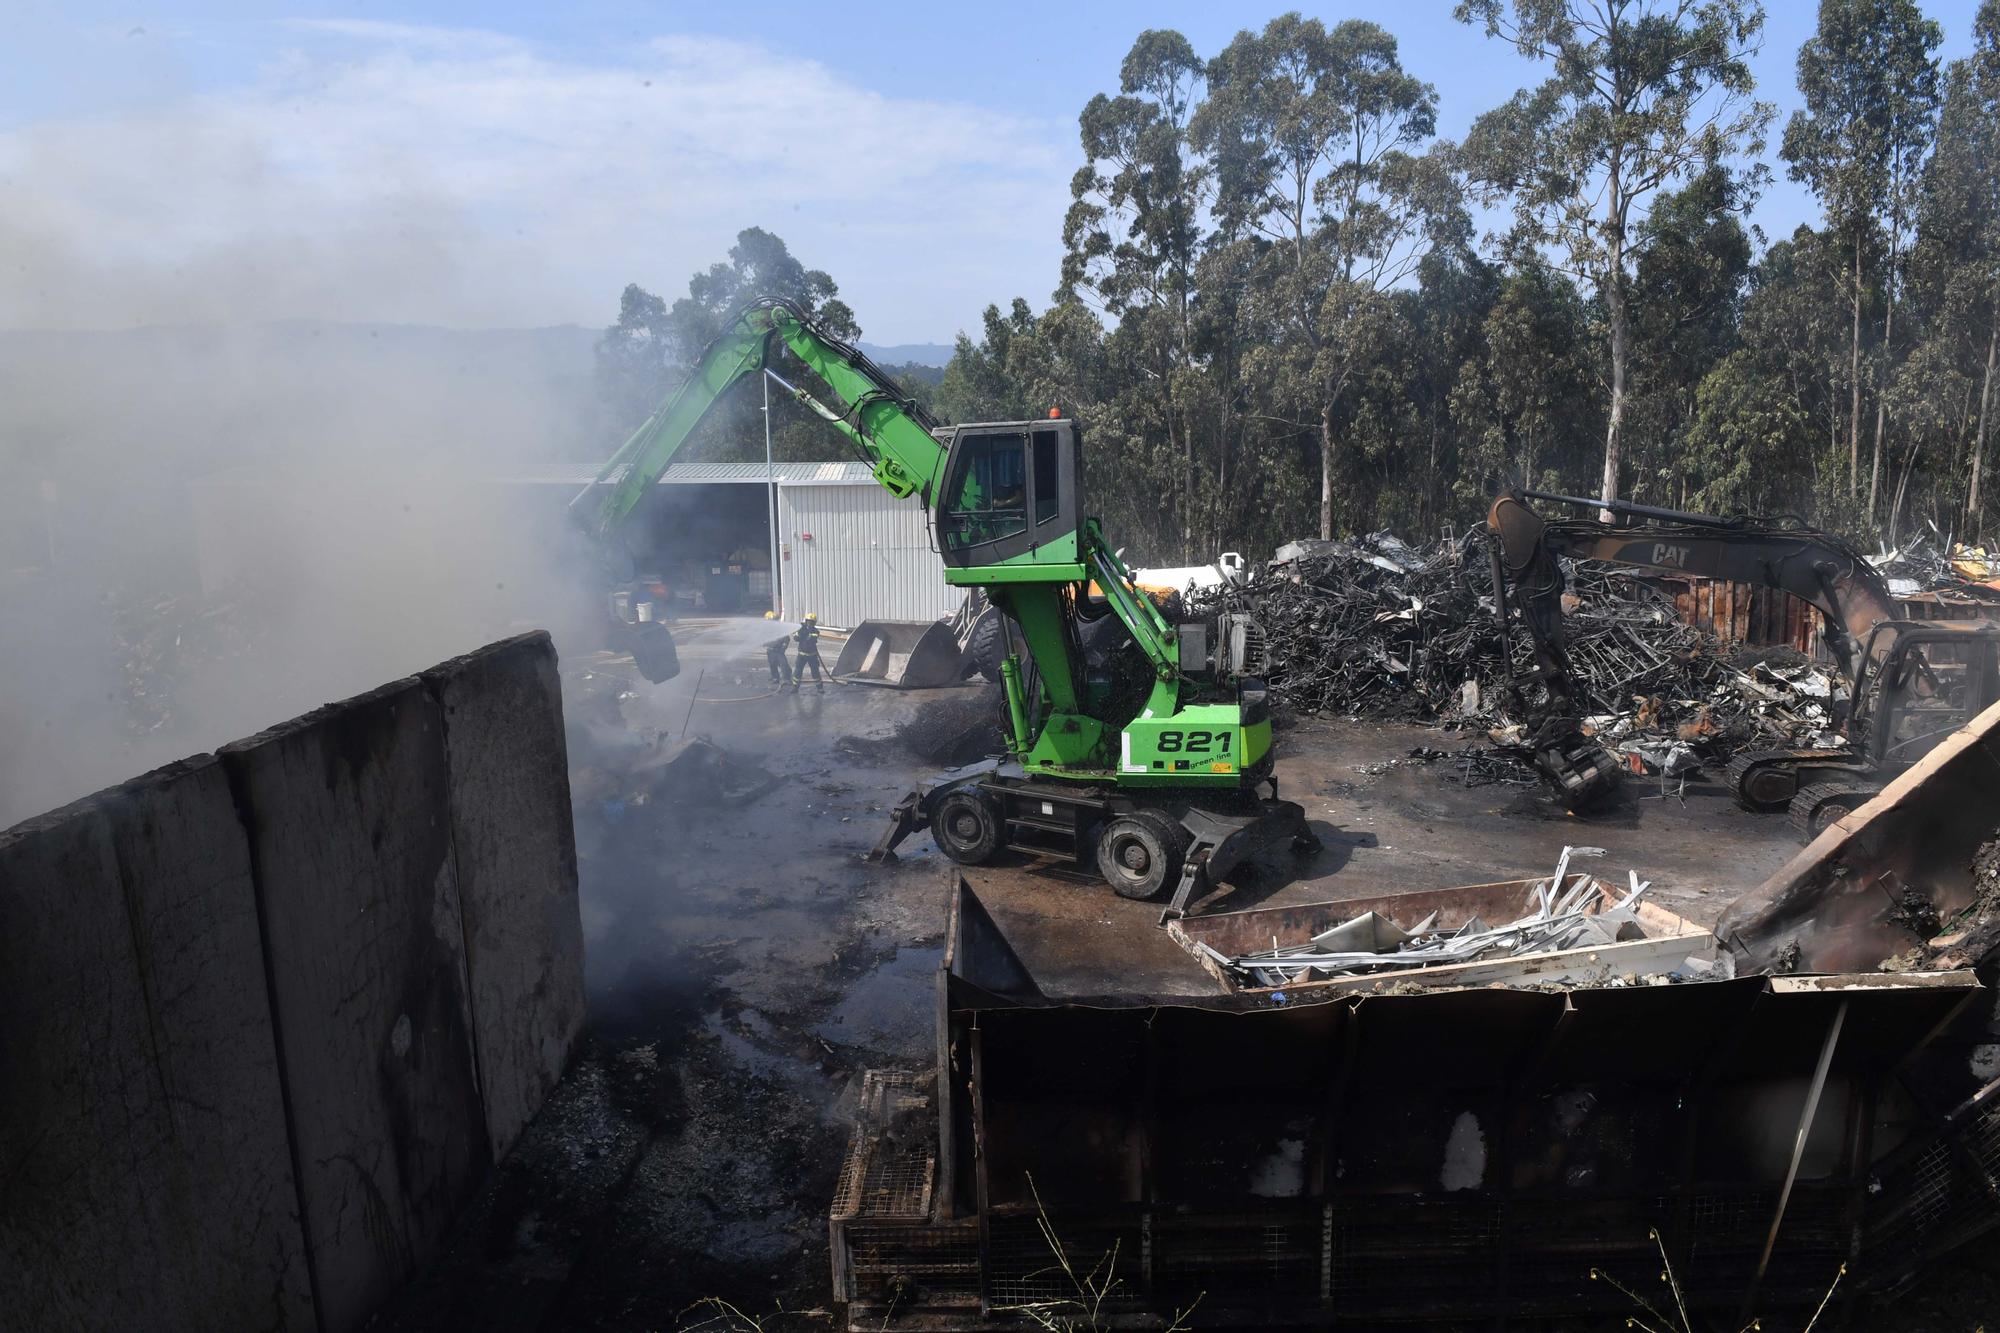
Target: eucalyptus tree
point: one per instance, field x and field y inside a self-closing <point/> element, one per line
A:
<point x="1955" y="262"/>
<point x="1870" y="89"/>
<point x="1315" y="134"/>
<point x="653" y="344"/>
<point x="1132" y="239"/>
<point x="1641" y="95"/>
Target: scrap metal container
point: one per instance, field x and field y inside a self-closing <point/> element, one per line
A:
<point x="1670" y="940"/>
<point x="1422" y="1155"/>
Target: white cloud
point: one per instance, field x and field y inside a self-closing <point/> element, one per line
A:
<point x="385" y="171"/>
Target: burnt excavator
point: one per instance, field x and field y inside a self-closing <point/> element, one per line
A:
<point x="1910" y="683"/>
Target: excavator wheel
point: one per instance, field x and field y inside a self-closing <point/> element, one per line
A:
<point x="1816" y="808"/>
<point x="966" y="827"/>
<point x="1140" y="855"/>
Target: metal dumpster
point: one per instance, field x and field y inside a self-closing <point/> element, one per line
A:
<point x="1422" y="1155"/>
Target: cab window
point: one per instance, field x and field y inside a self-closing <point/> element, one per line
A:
<point x="988" y="491"/>
<point x="1048" y="494"/>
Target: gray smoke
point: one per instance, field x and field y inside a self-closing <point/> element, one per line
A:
<point x="208" y="528"/>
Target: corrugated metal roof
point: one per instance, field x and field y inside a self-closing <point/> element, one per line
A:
<point x="693" y="474"/>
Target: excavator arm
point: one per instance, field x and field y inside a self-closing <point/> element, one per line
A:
<point x="891" y="431"/>
<point x="1004" y="503"/>
<point x="1816" y="567"/>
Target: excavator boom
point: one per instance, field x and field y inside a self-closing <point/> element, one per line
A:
<point x="1185" y="717"/>
<point x="1816" y="567"/>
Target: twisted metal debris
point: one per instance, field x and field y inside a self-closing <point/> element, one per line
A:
<point x="1569" y="911"/>
<point x="1375" y="628"/>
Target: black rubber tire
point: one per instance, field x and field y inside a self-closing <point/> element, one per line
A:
<point x="986" y="646"/>
<point x="1140" y="855"/>
<point x="966" y="827"/>
<point x="652" y="647"/>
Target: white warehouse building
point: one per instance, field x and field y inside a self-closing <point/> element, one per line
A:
<point x="848" y="551"/>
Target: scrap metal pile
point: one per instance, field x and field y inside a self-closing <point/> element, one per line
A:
<point x="1568" y="912"/>
<point x="1375" y="628"/>
<point x="1933" y="563"/>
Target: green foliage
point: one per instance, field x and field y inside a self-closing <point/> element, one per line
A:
<point x="1640" y="96"/>
<point x="647" y="353"/>
<point x="1272" y="317"/>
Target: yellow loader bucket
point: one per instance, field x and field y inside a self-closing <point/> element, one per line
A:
<point x="910" y="654"/>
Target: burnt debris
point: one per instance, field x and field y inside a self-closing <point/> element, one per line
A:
<point x="1374" y="628"/>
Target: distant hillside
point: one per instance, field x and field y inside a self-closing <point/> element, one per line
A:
<point x="898" y="354"/>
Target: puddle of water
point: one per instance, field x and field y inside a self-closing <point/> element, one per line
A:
<point x="890" y="1011"/>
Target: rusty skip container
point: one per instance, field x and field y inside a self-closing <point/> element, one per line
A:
<point x="1420" y="1156"/>
<point x="1670" y="941"/>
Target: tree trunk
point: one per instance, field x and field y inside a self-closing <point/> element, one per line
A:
<point x="1326" y="472"/>
<point x="1985" y="405"/>
<point x="1222" y="445"/>
<point x="1875" y="456"/>
<point x="1192" y="484"/>
<point x="1896" y="505"/>
<point x="1881" y="389"/>
<point x="1614" y="434"/>
<point x="1854" y="379"/>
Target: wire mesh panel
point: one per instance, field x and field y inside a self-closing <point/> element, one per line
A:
<point x="888" y="1252"/>
<point x="1940" y="1195"/>
<point x="1243" y="1260"/>
<point x="1070" y="1268"/>
<point x="1378" y="1243"/>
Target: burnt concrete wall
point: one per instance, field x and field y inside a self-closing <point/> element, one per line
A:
<point x="523" y="934"/>
<point x="266" y="1017"/>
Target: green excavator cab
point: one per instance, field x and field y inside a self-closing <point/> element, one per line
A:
<point x="1012" y="499"/>
<point x="1155" y="776"/>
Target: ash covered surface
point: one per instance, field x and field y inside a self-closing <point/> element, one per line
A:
<point x="743" y="967"/>
<point x="945" y="729"/>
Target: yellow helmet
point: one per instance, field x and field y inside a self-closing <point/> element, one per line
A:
<point x="812" y="616"/>
<point x="770" y="615"/>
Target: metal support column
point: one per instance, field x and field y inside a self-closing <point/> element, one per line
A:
<point x="771" y="496"/>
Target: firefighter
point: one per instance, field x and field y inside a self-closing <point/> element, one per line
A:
<point x="808" y="654"/>
<point x="774" y="656"/>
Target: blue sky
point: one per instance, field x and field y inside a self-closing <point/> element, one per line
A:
<point x="514" y="163"/>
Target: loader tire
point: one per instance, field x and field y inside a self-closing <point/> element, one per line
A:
<point x="966" y="827"/>
<point x="1140" y="855"/>
<point x="987" y="645"/>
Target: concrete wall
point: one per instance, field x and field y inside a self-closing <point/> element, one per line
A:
<point x="266" y="1017"/>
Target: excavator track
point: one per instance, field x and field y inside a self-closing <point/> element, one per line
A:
<point x="1817" y="806"/>
<point x="1766" y="780"/>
